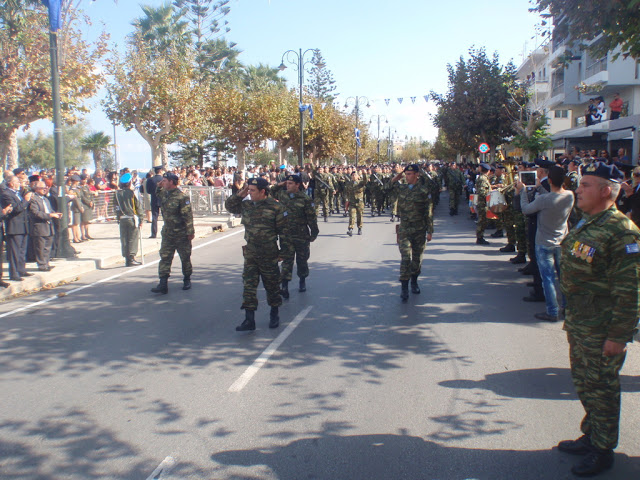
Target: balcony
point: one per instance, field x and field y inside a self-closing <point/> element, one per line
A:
<point x="594" y="68"/>
<point x="557" y="89"/>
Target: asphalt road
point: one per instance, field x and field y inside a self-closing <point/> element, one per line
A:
<point x="109" y="381"/>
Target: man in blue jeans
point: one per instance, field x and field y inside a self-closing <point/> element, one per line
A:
<point x="553" y="209"/>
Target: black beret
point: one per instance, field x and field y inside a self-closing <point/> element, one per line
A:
<point x="602" y="170"/>
<point x="500" y="166"/>
<point x="294" y="178"/>
<point x="171" y="176"/>
<point x="259" y="182"/>
<point x="485" y="166"/>
<point x="34" y="178"/>
<point x="412" y="168"/>
<point x="17" y="171"/>
<point x="624" y="167"/>
<point x="542" y="163"/>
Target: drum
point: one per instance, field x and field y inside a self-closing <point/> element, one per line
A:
<point x="473" y="199"/>
<point x="496" y="202"/>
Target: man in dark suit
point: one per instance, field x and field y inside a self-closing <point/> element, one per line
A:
<point x="151" y="189"/>
<point x="16" y="228"/>
<point x="4" y="213"/>
<point x="41" y="214"/>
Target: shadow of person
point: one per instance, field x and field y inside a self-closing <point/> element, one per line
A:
<point x="549" y="383"/>
<point x="393" y="457"/>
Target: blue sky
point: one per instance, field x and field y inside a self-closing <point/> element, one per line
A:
<point x="375" y="48"/>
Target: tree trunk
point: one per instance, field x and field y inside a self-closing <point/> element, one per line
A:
<point x="156" y="156"/>
<point x="240" y="156"/>
<point x="164" y="153"/>
<point x="11" y="149"/>
<point x="97" y="160"/>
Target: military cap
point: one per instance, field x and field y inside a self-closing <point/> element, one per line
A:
<point x="259" y="182"/>
<point x="624" y="167"/>
<point x="126" y="178"/>
<point x="18" y="171"/>
<point x="412" y="168"/>
<point x="542" y="163"/>
<point x="493" y="169"/>
<point x="485" y="166"/>
<point x="528" y="164"/>
<point x="157" y="169"/>
<point x="602" y="170"/>
<point x="75" y="178"/>
<point x="294" y="178"/>
<point x="34" y="178"/>
<point x="500" y="166"/>
<point x="171" y="176"/>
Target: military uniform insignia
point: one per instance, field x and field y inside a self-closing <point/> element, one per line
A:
<point x="632" y="248"/>
<point x="187" y="202"/>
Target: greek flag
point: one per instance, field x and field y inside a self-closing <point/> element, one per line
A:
<point x="54" y="13"/>
<point x="309" y="107"/>
<point x="357" y="132"/>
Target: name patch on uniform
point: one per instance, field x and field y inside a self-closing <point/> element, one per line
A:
<point x="632" y="248"/>
<point x="285" y="214"/>
<point x="187" y="202"/>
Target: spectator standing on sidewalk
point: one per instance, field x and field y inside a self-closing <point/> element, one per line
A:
<point x="553" y="210"/>
<point x="42" y="215"/>
<point x="601" y="280"/>
<point x="152" y="189"/>
<point x="129" y="215"/>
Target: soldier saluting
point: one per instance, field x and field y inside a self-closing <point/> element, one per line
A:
<point x="600" y="277"/>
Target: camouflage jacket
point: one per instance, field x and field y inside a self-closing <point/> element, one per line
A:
<point x="483" y="187"/>
<point x="600" y="275"/>
<point x="299" y="212"/>
<point x="456" y="179"/>
<point x="324" y="181"/>
<point x="415" y="208"/>
<point x="176" y="213"/>
<point x="376" y="183"/>
<point x="355" y="191"/>
<point x="264" y="224"/>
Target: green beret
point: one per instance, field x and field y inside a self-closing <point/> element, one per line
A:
<point x="602" y="170"/>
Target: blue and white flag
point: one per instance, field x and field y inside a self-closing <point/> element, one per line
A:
<point x="309" y="107"/>
<point x="357" y="132"/>
<point x="55" y="18"/>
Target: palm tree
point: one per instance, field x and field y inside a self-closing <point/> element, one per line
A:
<point x="162" y="28"/>
<point x="97" y="143"/>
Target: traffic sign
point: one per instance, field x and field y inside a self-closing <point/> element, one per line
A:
<point x="483" y="148"/>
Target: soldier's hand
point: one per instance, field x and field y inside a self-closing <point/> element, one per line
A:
<point x="191" y="237"/>
<point x="611" y="349"/>
<point x="429" y="237"/>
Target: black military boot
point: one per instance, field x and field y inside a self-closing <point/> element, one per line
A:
<point x="509" y="247"/>
<point x="162" y="287"/>
<point x="452" y="212"/>
<point x="497" y="234"/>
<point x="519" y="258"/>
<point x="132" y="262"/>
<point x="249" y="321"/>
<point x="404" y="292"/>
<point x="303" y="285"/>
<point x="274" y="318"/>
<point x="186" y="282"/>
<point x="350" y="232"/>
<point x="359" y="230"/>
<point x="481" y="241"/>
<point x="581" y="446"/>
<point x="325" y="218"/>
<point x="284" y="289"/>
<point x="414" y="284"/>
<point x="594" y="463"/>
<point x="392" y="218"/>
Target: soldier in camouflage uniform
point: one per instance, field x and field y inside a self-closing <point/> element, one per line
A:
<point x="600" y="276"/>
<point x="415" y="208"/>
<point x="393" y="197"/>
<point x="455" y="182"/>
<point x="483" y="187"/>
<point x="301" y="229"/>
<point x="129" y="215"/>
<point x="324" y="184"/>
<point x="264" y="223"/>
<point x="376" y="186"/>
<point x="355" y="196"/>
<point x="177" y="232"/>
<point x="572" y="183"/>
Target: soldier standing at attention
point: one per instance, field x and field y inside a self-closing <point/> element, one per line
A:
<point x="355" y="197"/>
<point x="600" y="276"/>
<point x="324" y="184"/>
<point x="129" y="215"/>
<point x="177" y="232"/>
<point x="301" y="229"/>
<point x="456" y="182"/>
<point x="483" y="188"/>
<point x="264" y="223"/>
<point x="415" y="209"/>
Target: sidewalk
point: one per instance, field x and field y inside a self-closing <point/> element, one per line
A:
<point x="102" y="252"/>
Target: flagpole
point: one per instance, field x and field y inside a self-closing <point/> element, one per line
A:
<point x="357" y="111"/>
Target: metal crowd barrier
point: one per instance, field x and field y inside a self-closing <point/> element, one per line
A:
<point x="103" y="208"/>
<point x="207" y="200"/>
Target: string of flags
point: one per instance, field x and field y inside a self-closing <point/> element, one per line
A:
<point x="401" y="99"/>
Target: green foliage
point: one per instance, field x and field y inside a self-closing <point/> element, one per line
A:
<point x="441" y="148"/>
<point x="534" y="139"/>
<point x="264" y="157"/>
<point x="322" y="85"/>
<point x="616" y="21"/>
<point x="37" y="151"/>
<point x="98" y="144"/>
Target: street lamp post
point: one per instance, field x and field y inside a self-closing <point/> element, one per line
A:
<point x="386" y="121"/>
<point x="357" y="101"/>
<point x="389" y="144"/>
<point x="299" y="64"/>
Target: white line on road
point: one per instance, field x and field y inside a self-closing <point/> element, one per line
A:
<point x="113" y="277"/>
<point x="248" y="374"/>
<point x="163" y="469"/>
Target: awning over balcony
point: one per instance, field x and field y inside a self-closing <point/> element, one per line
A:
<point x="626" y="134"/>
<point x="620" y="129"/>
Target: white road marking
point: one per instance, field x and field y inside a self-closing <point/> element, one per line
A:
<point x="163" y="469"/>
<point x="248" y="374"/>
<point x="113" y="277"/>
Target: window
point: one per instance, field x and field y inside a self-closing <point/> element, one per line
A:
<point x="561" y="113"/>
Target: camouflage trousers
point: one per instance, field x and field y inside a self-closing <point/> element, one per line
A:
<point x="168" y="249"/>
<point x="454" y="199"/>
<point x="597" y="382"/>
<point x="322" y="201"/>
<point x="520" y="225"/>
<point x="331" y="198"/>
<point x="411" y="250"/>
<point x="129" y="237"/>
<point x="481" y="209"/>
<point x="256" y="267"/>
<point x="338" y="201"/>
<point x="508" y="222"/>
<point x="301" y="252"/>
<point x="356" y="210"/>
<point x="377" y="201"/>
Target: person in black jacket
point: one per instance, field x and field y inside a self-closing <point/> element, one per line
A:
<point x="42" y="214"/>
<point x="151" y="189"/>
<point x="16" y="228"/>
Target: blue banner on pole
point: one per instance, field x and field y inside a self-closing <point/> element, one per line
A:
<point x="357" y="132"/>
<point x="55" y="18"/>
